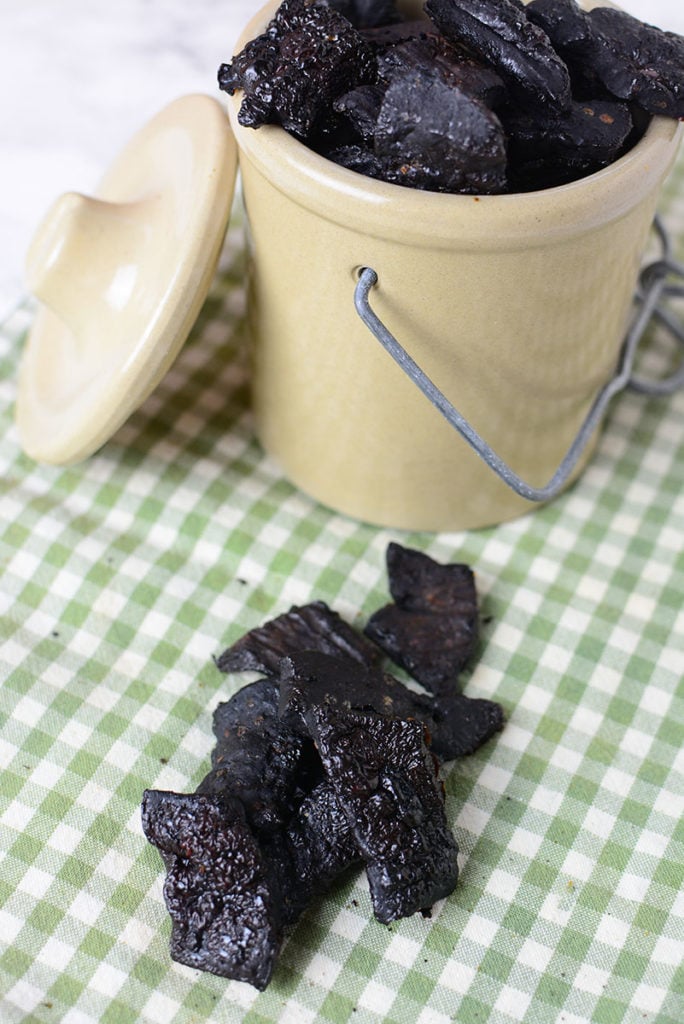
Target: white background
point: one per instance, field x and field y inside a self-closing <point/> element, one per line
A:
<point x="78" y="77"/>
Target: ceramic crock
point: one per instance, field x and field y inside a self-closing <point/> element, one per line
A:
<point x="515" y="306"/>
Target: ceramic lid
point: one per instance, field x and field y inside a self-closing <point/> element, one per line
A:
<point x="121" y="278"/>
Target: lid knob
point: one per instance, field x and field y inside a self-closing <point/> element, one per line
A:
<point x="88" y="257"/>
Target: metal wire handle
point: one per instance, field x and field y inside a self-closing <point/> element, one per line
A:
<point x="652" y="289"/>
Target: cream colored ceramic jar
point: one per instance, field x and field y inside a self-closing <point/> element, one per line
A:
<point x="514" y="305"/>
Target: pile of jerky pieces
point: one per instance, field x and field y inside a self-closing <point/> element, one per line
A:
<point x="327" y="762"/>
<point x="488" y="96"/>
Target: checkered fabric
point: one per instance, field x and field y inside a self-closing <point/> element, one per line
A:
<point x="122" y="576"/>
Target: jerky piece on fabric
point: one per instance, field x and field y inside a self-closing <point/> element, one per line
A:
<point x="311" y="679"/>
<point x="308" y="627"/>
<point x="432" y="136"/>
<point x="633" y="60"/>
<point x="419" y="583"/>
<point x="499" y="32"/>
<point x="460" y="725"/>
<point x="456" y="725"/>
<point x="317" y="847"/>
<point x="289" y="75"/>
<point x="219" y="889"/>
<point x="367" y="13"/>
<point x="432" y="628"/>
<point x="256" y="758"/>
<point x="429" y="50"/>
<point x="584" y="139"/>
<point x="386" y="781"/>
<point x="432" y="647"/>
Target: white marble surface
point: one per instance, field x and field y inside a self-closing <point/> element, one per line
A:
<point x="78" y="77"/>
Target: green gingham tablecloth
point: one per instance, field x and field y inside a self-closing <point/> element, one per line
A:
<point x="122" y="576"/>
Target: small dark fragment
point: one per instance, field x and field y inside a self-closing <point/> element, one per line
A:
<point x="460" y="724"/>
<point x="357" y="157"/>
<point x="367" y="13"/>
<point x="499" y="31"/>
<point x="313" y="679"/>
<point x="456" y="725"/>
<point x="456" y="66"/>
<point x="290" y="75"/>
<point x="634" y="61"/>
<point x="388" y="35"/>
<point x="419" y="583"/>
<point x="569" y="145"/>
<point x="219" y="889"/>
<point x="563" y="21"/>
<point x="431" y="135"/>
<point x="316" y="849"/>
<point x="308" y="627"/>
<point x="256" y="758"/>
<point x="432" y="628"/>
<point x="362" y="107"/>
<point x="386" y="782"/>
<point x="433" y="648"/>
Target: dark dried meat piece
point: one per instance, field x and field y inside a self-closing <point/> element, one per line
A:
<point x="311" y="679"/>
<point x="308" y="627"/>
<point x="584" y="139"/>
<point x="460" y="725"/>
<point x="563" y="21"/>
<point x="432" y="628"/>
<point x="356" y="157"/>
<point x="639" y="62"/>
<point x="367" y="13"/>
<point x="456" y="725"/>
<point x="290" y="75"/>
<point x="219" y="889"/>
<point x="433" y="648"/>
<point x="499" y="32"/>
<point x="362" y="107"/>
<point x="388" y="35"/>
<point x="431" y="51"/>
<point x="419" y="583"/>
<point x="317" y="847"/>
<point x="257" y="758"/>
<point x="432" y="136"/>
<point x="633" y="60"/>
<point x="386" y="782"/>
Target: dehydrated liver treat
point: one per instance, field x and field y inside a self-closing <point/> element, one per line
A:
<point x="362" y="107"/>
<point x="499" y="32"/>
<point x="367" y="13"/>
<point x="431" y="135"/>
<point x="257" y="757"/>
<point x="386" y="782"/>
<point x="432" y="628"/>
<point x="452" y="63"/>
<point x="460" y="725"/>
<point x="317" y="848"/>
<point x="308" y="55"/>
<point x="565" y="146"/>
<point x="219" y="889"/>
<point x="308" y="627"/>
<point x="456" y="725"/>
<point x="634" y="61"/>
<point x="419" y="583"/>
